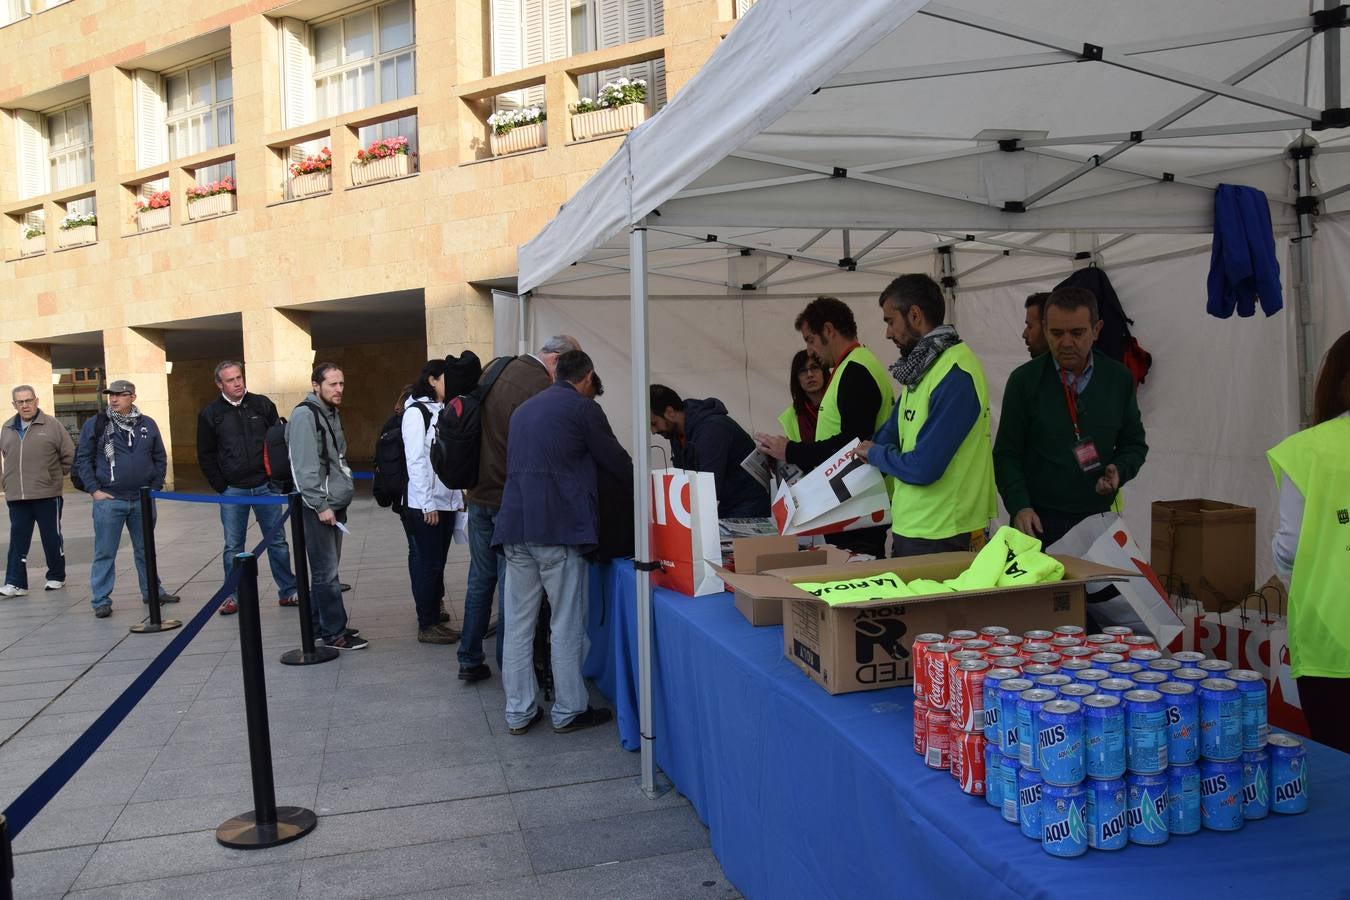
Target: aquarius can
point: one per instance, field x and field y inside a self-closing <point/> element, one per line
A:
<point x="918" y="660"/>
<point x="1007" y="770"/>
<point x="1149" y="679"/>
<point x="1116" y="687"/>
<point x="1105" y="660"/>
<point x="1140" y="642"/>
<point x="920" y="727"/>
<point x="1145" y="732"/>
<point x="961" y="634"/>
<point x="995" y="654"/>
<point x="1144" y="656"/>
<point x="1255" y="784"/>
<point x="1125" y="669"/>
<point x="989" y="632"/>
<point x="1189" y="658"/>
<point x="1071" y="667"/>
<point x="936" y="659"/>
<point x="1038" y="634"/>
<point x="1288" y="775"/>
<point x="1255" y="726"/>
<point x="1118" y="633"/>
<point x="1183" y="722"/>
<point x="1146" y="809"/>
<point x="1215" y="667"/>
<point x="967" y="762"/>
<point x="1035" y="669"/>
<point x="1183" y="799"/>
<point x="1016" y="661"/>
<point x="1220" y="719"/>
<point x="1189" y="675"/>
<point x="1091" y="677"/>
<point x="1076" y="692"/>
<point x="1009" y="692"/>
<point x="1029" y="648"/>
<point x="1104" y="736"/>
<point x="993" y="775"/>
<point x="1028" y="725"/>
<point x="1164" y="665"/>
<point x="1029" y="802"/>
<point x="992" y="679"/>
<point x="938" y="737"/>
<point x="1106" y="804"/>
<point x="1121" y="650"/>
<point x="966" y="703"/>
<point x="1053" y="681"/>
<point x="1062" y="642"/>
<point x="1080" y="652"/>
<point x="1059" y="743"/>
<point x="1064" y="830"/>
<point x="1221" y="794"/>
<point x="1049" y="658"/>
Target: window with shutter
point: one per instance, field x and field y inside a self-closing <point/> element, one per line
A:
<point x="296" y="73"/>
<point x="743" y="7"/>
<point x="70" y="146"/>
<point x="150" y="147"/>
<point x="624" y="21"/>
<point x="364" y="58"/>
<point x="545" y="37"/>
<point x="507" y="56"/>
<point x="30" y="147"/>
<point x="200" y="102"/>
<point x="12" y="11"/>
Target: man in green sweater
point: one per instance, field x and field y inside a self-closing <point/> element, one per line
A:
<point x="1070" y="433"/>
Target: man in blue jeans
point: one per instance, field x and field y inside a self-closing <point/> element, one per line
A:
<point x="231" y="431"/>
<point x="119" y="453"/>
<point x="37" y="453"/>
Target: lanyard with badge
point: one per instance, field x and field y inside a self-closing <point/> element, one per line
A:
<point x="1084" y="449"/>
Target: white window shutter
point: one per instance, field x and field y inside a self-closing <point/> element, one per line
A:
<point x="507" y="53"/>
<point x="545" y="34"/>
<point x="743" y="7"/>
<point x="625" y="21"/>
<point x="151" y="132"/>
<point x="297" y="68"/>
<point x="30" y="146"/>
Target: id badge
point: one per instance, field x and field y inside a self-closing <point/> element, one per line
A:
<point x="1085" y="452"/>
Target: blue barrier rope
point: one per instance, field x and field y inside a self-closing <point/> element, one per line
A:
<point x="38" y="794"/>
<point x="222" y="499"/>
<point x="363" y="476"/>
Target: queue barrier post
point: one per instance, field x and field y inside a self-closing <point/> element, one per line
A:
<point x="6" y="862"/>
<point x="307" y="654"/>
<point x="266" y="825"/>
<point x="156" y="623"/>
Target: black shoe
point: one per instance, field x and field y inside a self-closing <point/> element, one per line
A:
<point x="538" y="714"/>
<point x="479" y="672"/>
<point x="103" y="611"/>
<point x="345" y="587"/>
<point x="167" y="598"/>
<point x="591" y="716"/>
<point x="346" y="641"/>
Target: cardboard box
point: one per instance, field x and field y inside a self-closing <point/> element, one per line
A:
<point x="866" y="646"/>
<point x="1205" y="549"/>
<point x="756" y="555"/>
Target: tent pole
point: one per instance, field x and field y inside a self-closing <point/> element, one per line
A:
<point x="948" y="281"/>
<point x="522" y="330"/>
<point x="1306" y="346"/>
<point x="1331" y="60"/>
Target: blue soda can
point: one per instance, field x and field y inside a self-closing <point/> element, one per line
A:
<point x="992" y="679"/>
<point x="1009" y="692"/>
<point x="1288" y="775"/>
<point x="1190" y="676"/>
<point x="1183" y="722"/>
<point x="1163" y="664"/>
<point x="1145" y="657"/>
<point x="1104" y="661"/>
<point x="1146" y="809"/>
<point x="1076" y="691"/>
<point x="993" y="778"/>
<point x="1255" y="784"/>
<point x="1255" y="727"/>
<point x="1054" y="682"/>
<point x="1064" y="820"/>
<point x="1124" y="669"/>
<point x="1220" y="720"/>
<point x="1104" y="730"/>
<point x="1145" y="732"/>
<point x="1149" y="679"/>
<point x="1059" y="743"/>
<point x="1028" y="724"/>
<point x="1215" y="668"/>
<point x="1029" y="802"/>
<point x="1189" y="658"/>
<point x="1007" y="770"/>
<point x="1091" y="677"/>
<point x="1183" y="799"/>
<point x="1034" y="670"/>
<point x="1221" y="794"/>
<point x="1115" y="687"/>
<point x="1072" y="667"/>
<point x="1106" y="817"/>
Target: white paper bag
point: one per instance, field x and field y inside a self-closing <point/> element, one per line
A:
<point x="841" y="494"/>
<point x="685" y="532"/>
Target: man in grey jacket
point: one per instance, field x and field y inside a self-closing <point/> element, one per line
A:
<point x="318" y="457"/>
<point x="38" y="453"/>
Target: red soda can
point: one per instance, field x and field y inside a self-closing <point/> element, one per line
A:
<point x="935" y="663"/>
<point x="1030" y="647"/>
<point x="1038" y="634"/>
<point x="967" y="761"/>
<point x="963" y="634"/>
<point x="1034" y="669"/>
<point x="1012" y="662"/>
<point x="1077" y="652"/>
<point x="1097" y="640"/>
<point x="1118" y="631"/>
<point x="989" y="632"/>
<point x="918" y="660"/>
<point x="955" y="659"/>
<point x="920" y="727"/>
<point x="1122" y="649"/>
<point x="976" y="644"/>
<point x="967" y="702"/>
<point x="1009" y="640"/>
<point x="1140" y="642"/>
<point x="938" y="740"/>
<point x="1070" y="631"/>
<point x="1064" y="641"/>
<point x="996" y="653"/>
<point x="1050" y="658"/>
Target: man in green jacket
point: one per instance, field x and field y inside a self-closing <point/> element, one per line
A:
<point x="37" y="455"/>
<point x="1070" y="433"/>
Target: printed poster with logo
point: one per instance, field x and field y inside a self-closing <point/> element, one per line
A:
<point x="841" y="494"/>
<point x="684" y="531"/>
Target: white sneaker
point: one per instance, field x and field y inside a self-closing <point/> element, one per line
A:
<point x="10" y="590"/>
<point x="54" y="586"/>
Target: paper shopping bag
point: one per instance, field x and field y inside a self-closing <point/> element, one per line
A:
<point x="684" y="531"/>
<point x="841" y="494"/>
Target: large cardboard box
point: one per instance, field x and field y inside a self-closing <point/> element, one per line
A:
<point x="756" y="555"/>
<point x="1205" y="549"/>
<point x="866" y="646"/>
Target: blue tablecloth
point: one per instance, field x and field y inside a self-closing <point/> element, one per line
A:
<point x="809" y="795"/>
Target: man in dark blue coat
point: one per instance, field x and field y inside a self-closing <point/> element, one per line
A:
<point x="704" y="438"/>
<point x="548" y="522"/>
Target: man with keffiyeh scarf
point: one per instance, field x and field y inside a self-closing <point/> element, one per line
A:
<point x="935" y="445"/>
<point x="119" y="453"/>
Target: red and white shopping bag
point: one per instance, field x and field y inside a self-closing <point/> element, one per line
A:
<point x="841" y="494"/>
<point x="685" y="531"/>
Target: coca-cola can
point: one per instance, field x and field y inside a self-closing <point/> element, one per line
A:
<point x="962" y="634"/>
<point x="996" y="653"/>
<point x="918" y="654"/>
<point x="1070" y="631"/>
<point x="1030" y="647"/>
<point x="989" y="632"/>
<point x="953" y="660"/>
<point x="935" y="664"/>
<point x="1118" y="631"/>
<point x="967" y="762"/>
<point x="1117" y="647"/>
<point x="1012" y="662"/>
<point x="1140" y="642"/>
<point x="1009" y="640"/>
<point x="1038" y="634"/>
<point x="1062" y="642"/>
<point x="967" y="695"/>
<point x="920" y="727"/>
<point x="1049" y="658"/>
<point x="1097" y="640"/>
<point x="976" y="644"/>
<point x="1035" y="669"/>
<point x="1077" y="652"/>
<point x="937" y="740"/>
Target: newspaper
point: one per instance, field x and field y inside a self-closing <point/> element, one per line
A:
<point x="769" y="472"/>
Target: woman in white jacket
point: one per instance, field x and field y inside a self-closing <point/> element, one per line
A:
<point x="430" y="509"/>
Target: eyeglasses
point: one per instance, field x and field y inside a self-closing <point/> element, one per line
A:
<point x="25" y="402"/>
<point x="120" y="394"/>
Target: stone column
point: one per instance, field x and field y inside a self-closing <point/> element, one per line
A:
<point x="459" y="317"/>
<point x="278" y="355"/>
<point x="26" y="364"/>
<point x="137" y="355"/>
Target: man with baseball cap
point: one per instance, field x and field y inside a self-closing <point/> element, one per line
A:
<point x="119" y="452"/>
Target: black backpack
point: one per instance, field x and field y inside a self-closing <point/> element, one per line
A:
<point x="1115" y="340"/>
<point x="390" y="485"/>
<point x="459" y="433"/>
<point x="277" y="453"/>
<point x="100" y="423"/>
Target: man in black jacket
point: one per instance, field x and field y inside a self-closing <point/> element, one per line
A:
<point x="703" y="438"/>
<point x="230" y="435"/>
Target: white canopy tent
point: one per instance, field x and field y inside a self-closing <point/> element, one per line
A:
<point x="827" y="146"/>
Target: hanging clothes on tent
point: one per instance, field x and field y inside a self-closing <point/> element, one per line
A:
<point x="1242" y="267"/>
<point x="1115" y="340"/>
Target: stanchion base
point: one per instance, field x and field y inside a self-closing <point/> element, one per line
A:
<point x="298" y="656"/>
<point x="244" y="833"/>
<point x="152" y="628"/>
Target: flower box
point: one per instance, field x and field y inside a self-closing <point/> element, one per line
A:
<point x="75" y="237"/>
<point x="608" y="121"/>
<point x="32" y="246"/>
<point x="311" y="183"/>
<point x="395" y="166"/>
<point x="150" y="219"/>
<point x="206" y="207"/>
<point x="522" y="137"/>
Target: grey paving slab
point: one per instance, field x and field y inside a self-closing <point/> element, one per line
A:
<point x="407" y="788"/>
<point x="406" y="826"/>
<point x="346" y="765"/>
<point x="691" y="875"/>
<point x="228" y="779"/>
<point x="163" y="817"/>
<point x="56" y="827"/>
<point x="269" y="882"/>
<point x="49" y="872"/>
<point x="586" y="802"/>
<point x="470" y="861"/>
<point x="619" y="839"/>
<point x="571" y="767"/>
<point x="145" y="859"/>
<point x="506" y="889"/>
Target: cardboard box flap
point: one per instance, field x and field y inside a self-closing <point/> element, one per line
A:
<point x="748" y="552"/>
<point x="761" y="585"/>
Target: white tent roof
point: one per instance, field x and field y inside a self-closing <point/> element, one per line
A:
<point x="870" y="132"/>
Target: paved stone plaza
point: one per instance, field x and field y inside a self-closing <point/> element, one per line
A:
<point x="419" y="788"/>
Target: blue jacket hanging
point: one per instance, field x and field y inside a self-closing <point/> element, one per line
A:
<point x="1242" y="265"/>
